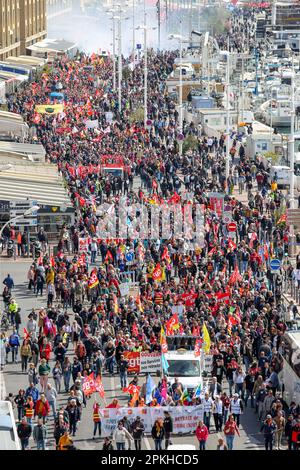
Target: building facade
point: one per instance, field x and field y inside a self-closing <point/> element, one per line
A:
<point x="10" y="38"/>
<point x="57" y="8"/>
<point x="22" y="23"/>
<point x="33" y="22"/>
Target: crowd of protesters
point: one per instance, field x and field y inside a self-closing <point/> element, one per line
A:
<point x="225" y="284"/>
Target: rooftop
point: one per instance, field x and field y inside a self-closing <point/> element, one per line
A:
<point x="40" y="182"/>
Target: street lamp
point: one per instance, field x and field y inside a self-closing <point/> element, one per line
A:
<point x="13" y="219"/>
<point x="227" y="54"/>
<point x="113" y="18"/>
<point x="145" y="28"/>
<point x="117" y="9"/>
<point x="181" y="40"/>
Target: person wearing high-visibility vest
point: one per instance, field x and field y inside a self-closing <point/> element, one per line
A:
<point x="96" y="419"/>
<point x="29" y="409"/>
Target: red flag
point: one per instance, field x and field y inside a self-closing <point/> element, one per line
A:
<point x="154" y="184"/>
<point x="157" y="273"/>
<point x="252" y="239"/>
<point x="165" y="255"/>
<point x="174" y="199"/>
<point x="198" y="345"/>
<point x="134" y="330"/>
<point x="52" y="262"/>
<point x="93" y="280"/>
<point x="81" y="260"/>
<point x="99" y="386"/>
<point x="108" y="257"/>
<point x="88" y="386"/>
<point x="131" y="389"/>
<point x="26" y="334"/>
<point x="189" y="299"/>
<point x="235" y="276"/>
<point x="173" y="323"/>
<point x="231" y="244"/>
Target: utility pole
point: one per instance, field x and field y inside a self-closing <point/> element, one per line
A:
<point x="145" y="71"/>
<point x="227" y="114"/>
<point x="292" y="161"/>
<point x="120" y="64"/>
<point x="114" y="53"/>
<point x="158" y="22"/>
<point x="133" y="34"/>
<point x="180" y="92"/>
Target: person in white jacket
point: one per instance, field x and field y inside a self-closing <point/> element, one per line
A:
<point x="120" y="436"/>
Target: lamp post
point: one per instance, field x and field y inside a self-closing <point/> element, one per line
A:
<point x="181" y="40"/>
<point x="227" y="157"/>
<point x="227" y="117"/>
<point x="291" y="147"/>
<point x="117" y="9"/>
<point x="113" y="18"/>
<point x="145" y="28"/>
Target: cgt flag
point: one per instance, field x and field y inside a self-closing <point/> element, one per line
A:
<point x="99" y="387"/>
<point x="157" y="273"/>
<point x="88" y="386"/>
<point x="93" y="280"/>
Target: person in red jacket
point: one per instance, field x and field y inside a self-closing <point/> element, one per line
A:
<point x="114" y="404"/>
<point x="202" y="435"/>
<point x="296" y="435"/>
<point x="230" y="430"/>
<point x="42" y="408"/>
<point x="45" y="350"/>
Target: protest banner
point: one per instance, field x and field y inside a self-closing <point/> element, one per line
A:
<point x="185" y="418"/>
<point x="150" y="362"/>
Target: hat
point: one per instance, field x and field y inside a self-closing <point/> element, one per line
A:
<point x="235" y="394"/>
<point x="269" y="417"/>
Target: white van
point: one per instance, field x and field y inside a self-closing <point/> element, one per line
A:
<point x="282" y="173"/>
<point x="186" y="367"/>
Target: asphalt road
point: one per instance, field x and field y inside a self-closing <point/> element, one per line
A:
<point x="14" y="379"/>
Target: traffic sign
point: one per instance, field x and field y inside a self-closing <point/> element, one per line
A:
<point x="129" y="256"/>
<point x="180" y="137"/>
<point x="139" y="46"/>
<point x="25" y="222"/>
<point x="149" y="122"/>
<point x="275" y="265"/>
<point x="18" y="208"/>
<point x="231" y="227"/>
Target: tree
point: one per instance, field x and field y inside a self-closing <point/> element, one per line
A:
<point x="272" y="156"/>
<point x="189" y="143"/>
<point x="126" y="73"/>
<point x="137" y="115"/>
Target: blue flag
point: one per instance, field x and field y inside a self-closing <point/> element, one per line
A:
<point x="197" y="393"/>
<point x="150" y="386"/>
<point x="158" y="396"/>
<point x="164" y="363"/>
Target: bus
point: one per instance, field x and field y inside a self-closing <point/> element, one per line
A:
<point x="289" y="375"/>
<point x="9" y="439"/>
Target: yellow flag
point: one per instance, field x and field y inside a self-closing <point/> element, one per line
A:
<point x="206" y="338"/>
<point x="49" y="108"/>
